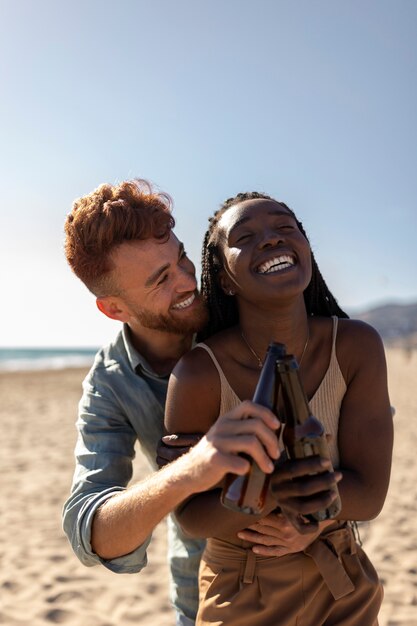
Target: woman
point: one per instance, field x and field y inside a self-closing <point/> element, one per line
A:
<point x="262" y="284"/>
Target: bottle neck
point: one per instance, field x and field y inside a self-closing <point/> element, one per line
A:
<point x="292" y="397"/>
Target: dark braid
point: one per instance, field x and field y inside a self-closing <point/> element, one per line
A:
<point x="223" y="311"/>
<point x="318" y="298"/>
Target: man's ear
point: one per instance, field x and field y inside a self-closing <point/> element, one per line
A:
<point x="113" y="307"/>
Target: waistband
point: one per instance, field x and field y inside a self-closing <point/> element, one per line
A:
<point x="325" y="551"/>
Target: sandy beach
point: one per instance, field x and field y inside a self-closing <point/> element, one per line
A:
<point x="41" y="580"/>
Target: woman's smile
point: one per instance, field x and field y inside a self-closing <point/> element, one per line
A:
<point x="276" y="264"/>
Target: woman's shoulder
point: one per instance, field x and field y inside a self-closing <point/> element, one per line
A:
<point x="358" y="344"/>
<point x="199" y="361"/>
<point x="195" y="364"/>
<point x="350" y="333"/>
<point x="205" y="353"/>
<point x="358" y="331"/>
<point x="193" y="399"/>
<point x="347" y="328"/>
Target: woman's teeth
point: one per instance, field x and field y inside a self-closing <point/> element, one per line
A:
<point x="276" y="264"/>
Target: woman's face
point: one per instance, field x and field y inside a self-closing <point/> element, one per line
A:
<point x="264" y="253"/>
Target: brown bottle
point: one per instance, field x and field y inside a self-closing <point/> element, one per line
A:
<point x="303" y="434"/>
<point x="247" y="493"/>
<point x="279" y="388"/>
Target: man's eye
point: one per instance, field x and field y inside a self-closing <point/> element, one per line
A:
<point x="162" y="280"/>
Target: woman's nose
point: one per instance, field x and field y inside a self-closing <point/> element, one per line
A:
<point x="270" y="237"/>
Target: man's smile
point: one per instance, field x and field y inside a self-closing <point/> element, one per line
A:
<point x="184" y="303"/>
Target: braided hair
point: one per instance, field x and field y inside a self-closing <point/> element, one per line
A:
<point x="223" y="311"/>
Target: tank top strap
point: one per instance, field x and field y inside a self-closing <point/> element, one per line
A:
<point x="327" y="400"/>
<point x="228" y="398"/>
<point x="334" y="335"/>
<point x="213" y="358"/>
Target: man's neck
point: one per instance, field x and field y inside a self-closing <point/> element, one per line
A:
<point x="162" y="350"/>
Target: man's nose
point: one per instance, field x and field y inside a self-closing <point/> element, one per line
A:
<point x="186" y="280"/>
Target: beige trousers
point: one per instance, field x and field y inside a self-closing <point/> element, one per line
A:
<point x="332" y="583"/>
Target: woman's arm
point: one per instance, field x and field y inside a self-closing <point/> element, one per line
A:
<point x="193" y="397"/>
<point x="365" y="425"/>
<point x="204" y="516"/>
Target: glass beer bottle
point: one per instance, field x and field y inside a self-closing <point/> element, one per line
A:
<point x="247" y="493"/>
<point x="280" y="389"/>
<point x="303" y="434"/>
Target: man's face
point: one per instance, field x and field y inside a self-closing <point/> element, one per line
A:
<point x="157" y="285"/>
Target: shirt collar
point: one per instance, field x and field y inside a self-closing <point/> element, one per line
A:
<point x="137" y="362"/>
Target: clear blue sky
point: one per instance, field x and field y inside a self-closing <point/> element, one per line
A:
<point x="313" y="102"/>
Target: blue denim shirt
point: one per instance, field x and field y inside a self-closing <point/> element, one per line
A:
<point x="123" y="402"/>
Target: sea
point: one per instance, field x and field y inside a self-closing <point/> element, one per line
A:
<point x="21" y="359"/>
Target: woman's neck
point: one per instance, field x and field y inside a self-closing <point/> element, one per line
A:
<point x="288" y="325"/>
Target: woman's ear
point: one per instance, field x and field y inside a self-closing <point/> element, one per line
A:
<point x="226" y="284"/>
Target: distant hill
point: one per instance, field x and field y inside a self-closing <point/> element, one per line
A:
<point x="396" y="323"/>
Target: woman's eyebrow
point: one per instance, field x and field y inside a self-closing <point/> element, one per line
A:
<point x="245" y="219"/>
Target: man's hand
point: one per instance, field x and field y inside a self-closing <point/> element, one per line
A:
<point x="274" y="535"/>
<point x="249" y="429"/>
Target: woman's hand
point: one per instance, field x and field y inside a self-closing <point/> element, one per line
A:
<point x="171" y="447"/>
<point x="274" y="535"/>
<point x="303" y="486"/>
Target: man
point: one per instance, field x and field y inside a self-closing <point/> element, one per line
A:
<point x="120" y="243"/>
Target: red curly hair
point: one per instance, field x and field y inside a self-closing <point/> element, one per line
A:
<point x="104" y="219"/>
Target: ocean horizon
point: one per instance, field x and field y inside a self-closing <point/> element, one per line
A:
<point x="23" y="359"/>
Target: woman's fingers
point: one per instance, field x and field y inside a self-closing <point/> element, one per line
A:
<point x="304" y="486"/>
<point x="271" y="551"/>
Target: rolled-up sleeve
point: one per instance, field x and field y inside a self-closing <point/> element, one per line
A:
<point x="104" y="453"/>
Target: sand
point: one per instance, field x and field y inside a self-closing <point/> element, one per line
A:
<point x="42" y="582"/>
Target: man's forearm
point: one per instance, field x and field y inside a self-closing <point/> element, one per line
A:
<point x="125" y="521"/>
<point x="204" y="516"/>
